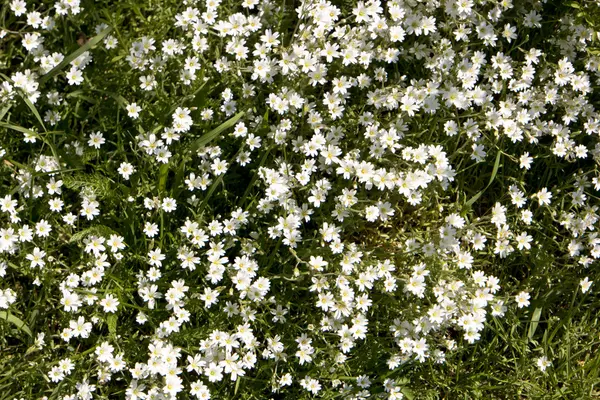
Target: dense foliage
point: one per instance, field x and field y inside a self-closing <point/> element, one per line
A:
<point x="295" y="199"/>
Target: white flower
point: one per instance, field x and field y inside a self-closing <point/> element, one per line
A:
<point x="317" y="263"/>
<point x="156" y="257"/>
<point x="116" y="243"/>
<point x="209" y="297"/>
<point x="219" y="167"/>
<point x="96" y="140"/>
<point x="543" y="363"/>
<point x="89" y="209"/>
<point x="522" y="299"/>
<point x="126" y="169"/>
<point x="7" y="204"/>
<point x="36" y="258"/>
<point x="104" y="352"/>
<point x="371" y="213"/>
<point x="150" y="229"/>
<point x="214" y="372"/>
<point x="133" y="110"/>
<point x="523" y="241"/>
<point x="585" y="284"/>
<point x="74" y="76"/>
<point x="109" y="303"/>
<point x="69" y="219"/>
<point x="544" y="196"/>
<point x="169" y="204"/>
<point x="19" y="7"/>
<point x="43" y="228"/>
<point x="55" y="374"/>
<point x="55" y="204"/>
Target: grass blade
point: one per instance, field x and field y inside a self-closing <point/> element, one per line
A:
<point x="5" y="110"/>
<point x="163" y="174"/>
<point x="473" y="199"/>
<point x="212" y="189"/>
<point x="91" y="43"/>
<point x="16" y="321"/>
<point x="19" y="128"/>
<point x="535" y="320"/>
<point x="245" y="197"/>
<point x="210" y="136"/>
<point x="27" y="101"/>
<point x="35" y="112"/>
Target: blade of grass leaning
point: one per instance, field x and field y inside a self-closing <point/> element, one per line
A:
<point x="5" y="110"/>
<point x="177" y="183"/>
<point x="473" y="199"/>
<point x="245" y="197"/>
<point x="53" y="148"/>
<point x="210" y="136"/>
<point x="19" y="128"/>
<point x="27" y="101"/>
<point x="163" y="174"/>
<point x="212" y="189"/>
<point x="16" y="321"/>
<point x="91" y="43"/>
<point x="35" y="112"/>
<point x="535" y="320"/>
<point x="9" y="162"/>
<point x="79" y="94"/>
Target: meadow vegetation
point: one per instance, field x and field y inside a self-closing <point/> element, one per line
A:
<point x="295" y="199"/>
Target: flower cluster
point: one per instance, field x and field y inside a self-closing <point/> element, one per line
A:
<point x="260" y="194"/>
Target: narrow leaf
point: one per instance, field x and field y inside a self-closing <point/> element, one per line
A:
<point x="246" y="195"/>
<point x="162" y="177"/>
<point x="5" y="110"/>
<point x="535" y="320"/>
<point x="15" y="321"/>
<point x="177" y="182"/>
<point x="19" y="128"/>
<point x="91" y="43"/>
<point x="473" y="199"/>
<point x="111" y="321"/>
<point x="34" y="111"/>
<point x="210" y="136"/>
<point x="212" y="189"/>
<point x="79" y="94"/>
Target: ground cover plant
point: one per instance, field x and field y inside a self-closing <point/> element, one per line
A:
<point x="299" y="199"/>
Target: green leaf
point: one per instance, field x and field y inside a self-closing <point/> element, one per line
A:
<point x="111" y="321"/>
<point x="473" y="199"/>
<point x="96" y="230"/>
<point x="35" y="112"/>
<point x="212" y="189"/>
<point x="408" y="393"/>
<point x="177" y="182"/>
<point x="5" y="110"/>
<point x="79" y="94"/>
<point x="162" y="177"/>
<point x="246" y="195"/>
<point x="237" y="385"/>
<point x="102" y="186"/>
<point x="91" y="43"/>
<point x="15" y="321"/>
<point x="210" y="136"/>
<point x="535" y="320"/>
<point x="19" y="128"/>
